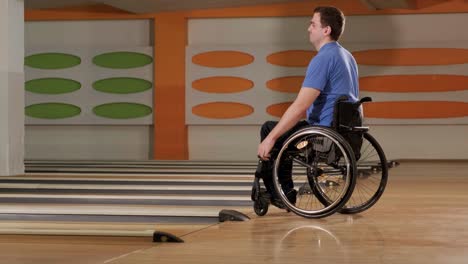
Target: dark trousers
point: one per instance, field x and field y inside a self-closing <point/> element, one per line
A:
<point x="285" y="169"/>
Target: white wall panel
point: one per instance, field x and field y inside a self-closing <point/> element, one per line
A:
<point x="398" y="141"/>
<point x="91" y="33"/>
<point x="88" y="142"/>
<point x="223" y="142"/>
<point x="242" y="31"/>
<point x="378" y="29"/>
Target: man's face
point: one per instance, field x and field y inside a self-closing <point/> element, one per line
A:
<point x="316" y="31"/>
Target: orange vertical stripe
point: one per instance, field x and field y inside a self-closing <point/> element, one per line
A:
<point x="170" y="132"/>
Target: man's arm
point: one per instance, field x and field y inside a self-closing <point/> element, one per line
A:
<point x="293" y="114"/>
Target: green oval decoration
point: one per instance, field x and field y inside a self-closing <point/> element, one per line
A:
<point x="122" y="110"/>
<point x="52" y="110"/>
<point x="122" y="60"/>
<point x="52" y="61"/>
<point x="122" y="85"/>
<point x="52" y="86"/>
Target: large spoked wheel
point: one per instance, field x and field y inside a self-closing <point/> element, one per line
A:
<point x="372" y="175"/>
<point x="320" y="163"/>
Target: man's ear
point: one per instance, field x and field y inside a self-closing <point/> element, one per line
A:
<point x="328" y="30"/>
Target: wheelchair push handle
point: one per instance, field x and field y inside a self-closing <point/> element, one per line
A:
<point x="344" y="98"/>
<point x="365" y="100"/>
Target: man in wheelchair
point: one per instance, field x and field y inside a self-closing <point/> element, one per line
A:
<point x="330" y="75"/>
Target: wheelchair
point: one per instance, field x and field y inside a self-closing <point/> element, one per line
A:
<point x="322" y="170"/>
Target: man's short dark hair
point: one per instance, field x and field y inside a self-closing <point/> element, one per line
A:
<point x="333" y="17"/>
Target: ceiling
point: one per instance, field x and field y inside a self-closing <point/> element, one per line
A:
<point x="153" y="6"/>
<point x="384" y="4"/>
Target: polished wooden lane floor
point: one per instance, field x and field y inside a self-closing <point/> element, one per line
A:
<point x="45" y="249"/>
<point x="422" y="218"/>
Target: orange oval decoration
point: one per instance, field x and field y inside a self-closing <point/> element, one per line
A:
<point x="416" y="109"/>
<point x="414" y="83"/>
<point x="222" y="84"/>
<point x="279" y="109"/>
<point x="291" y="58"/>
<point x="222" y="110"/>
<point x="412" y="56"/>
<point x="222" y="59"/>
<point x="289" y="84"/>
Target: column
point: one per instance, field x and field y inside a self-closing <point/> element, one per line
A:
<point x="11" y="87"/>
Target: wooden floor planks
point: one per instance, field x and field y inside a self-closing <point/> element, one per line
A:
<point x="421" y="218"/>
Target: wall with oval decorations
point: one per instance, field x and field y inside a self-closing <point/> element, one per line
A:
<point x="419" y="79"/>
<point x="416" y="77"/>
<point x="89" y="89"/>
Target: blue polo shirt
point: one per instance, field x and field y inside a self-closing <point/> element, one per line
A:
<point x="333" y="71"/>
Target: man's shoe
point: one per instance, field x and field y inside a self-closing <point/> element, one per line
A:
<point x="292" y="196"/>
<point x="278" y="203"/>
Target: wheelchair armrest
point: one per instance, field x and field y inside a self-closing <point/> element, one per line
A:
<point x="353" y="129"/>
<point x="360" y="129"/>
<point x="344" y="128"/>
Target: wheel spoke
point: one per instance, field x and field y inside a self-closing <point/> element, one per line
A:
<point x="370" y="187"/>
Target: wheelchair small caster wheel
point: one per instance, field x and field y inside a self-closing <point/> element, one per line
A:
<point x="255" y="194"/>
<point x="261" y="207"/>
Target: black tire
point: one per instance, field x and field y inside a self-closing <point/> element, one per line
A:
<point x="255" y="195"/>
<point x="261" y="207"/>
<point x="325" y="151"/>
<point x="371" y="180"/>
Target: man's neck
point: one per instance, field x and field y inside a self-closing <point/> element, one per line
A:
<point x="323" y="43"/>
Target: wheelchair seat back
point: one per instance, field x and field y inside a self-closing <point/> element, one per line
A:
<point x="347" y="121"/>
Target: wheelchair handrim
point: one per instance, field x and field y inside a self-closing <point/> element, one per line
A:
<point x="348" y="168"/>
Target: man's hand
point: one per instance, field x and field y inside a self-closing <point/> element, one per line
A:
<point x="293" y="114"/>
<point x="264" y="148"/>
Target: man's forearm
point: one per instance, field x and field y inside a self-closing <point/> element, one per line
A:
<point x="292" y="115"/>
